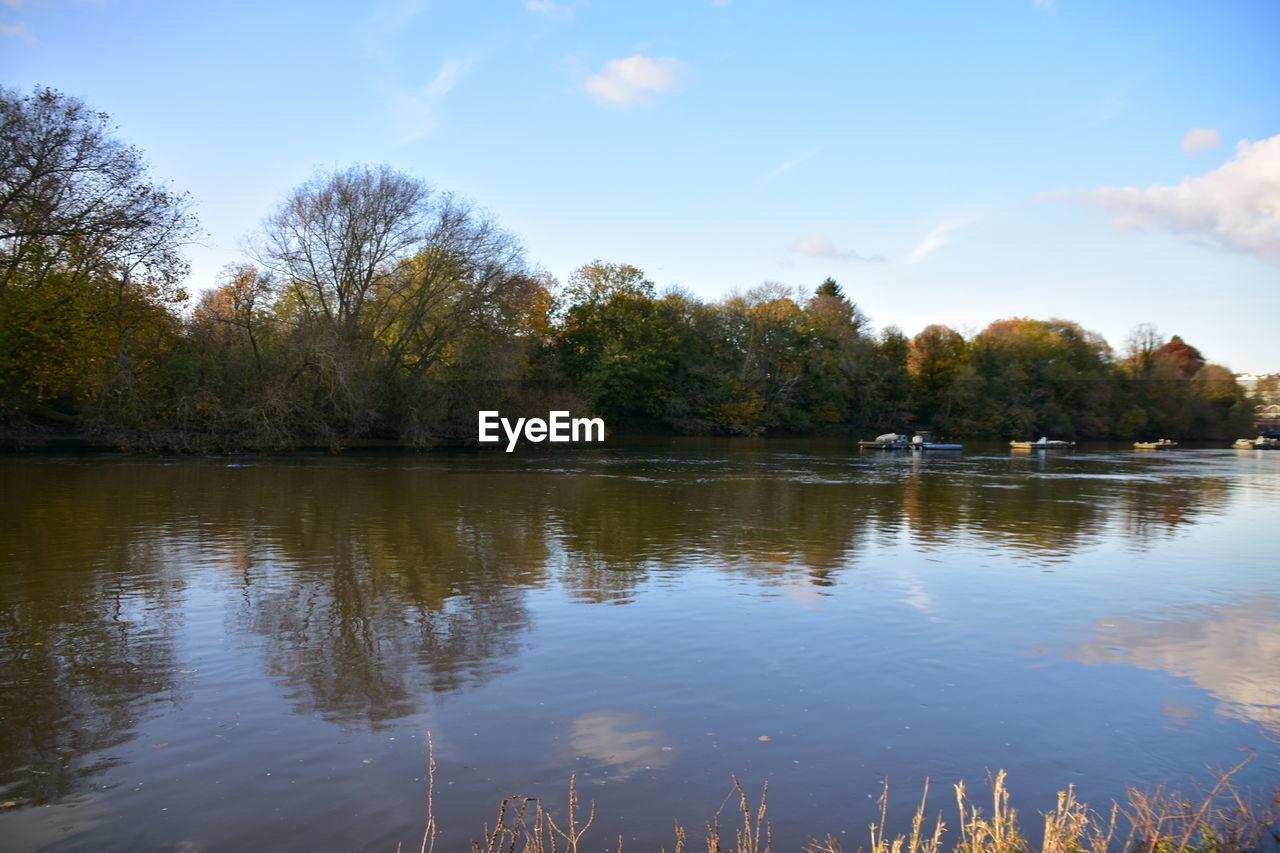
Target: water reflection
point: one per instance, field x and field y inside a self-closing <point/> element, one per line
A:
<point x="365" y="591"/>
<point x="78" y="678"/>
<point x="1232" y="651"/>
<point x="616" y="740"/>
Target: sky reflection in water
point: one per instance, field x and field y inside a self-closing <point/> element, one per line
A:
<point x="214" y="653"/>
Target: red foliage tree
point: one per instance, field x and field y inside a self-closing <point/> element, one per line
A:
<point x="1184" y="356"/>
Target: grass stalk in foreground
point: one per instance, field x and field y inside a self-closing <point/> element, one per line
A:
<point x="1225" y="819"/>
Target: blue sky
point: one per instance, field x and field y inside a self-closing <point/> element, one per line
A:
<point x="952" y="162"/>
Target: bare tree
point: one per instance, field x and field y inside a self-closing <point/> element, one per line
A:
<point x="338" y="235"/>
<point x="78" y="203"/>
<point x="385" y="277"/>
<point x="388" y="261"/>
<point x="465" y="274"/>
<point x="1140" y="346"/>
<point x="234" y="310"/>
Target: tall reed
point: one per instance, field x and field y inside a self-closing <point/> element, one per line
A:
<point x="1223" y="819"/>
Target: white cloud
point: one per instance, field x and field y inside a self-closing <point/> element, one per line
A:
<point x="1200" y="139"/>
<point x="634" y="79"/>
<point x="787" y="165"/>
<point x="540" y="5"/>
<point x="814" y="245"/>
<point x="451" y="71"/>
<point x="18" y="31"/>
<point x="818" y="246"/>
<point x="931" y="242"/>
<point x="1236" y="205"/>
<point x="417" y="113"/>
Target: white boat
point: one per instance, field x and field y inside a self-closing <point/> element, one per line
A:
<point x="920" y="441"/>
<point x="1043" y="444"/>
<point x="888" y="441"/>
<point x="924" y="441"/>
<point x="1262" y="442"/>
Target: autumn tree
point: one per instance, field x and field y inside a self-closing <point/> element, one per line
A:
<point x="1186" y="358"/>
<point x="1038" y="376"/>
<point x="935" y="361"/>
<point x="235" y="312"/>
<point x="90" y="261"/>
<point x="381" y="277"/>
<point x="77" y="202"/>
<point x="1140" y="347"/>
<point x="467" y="272"/>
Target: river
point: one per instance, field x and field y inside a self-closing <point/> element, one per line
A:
<point x="247" y="652"/>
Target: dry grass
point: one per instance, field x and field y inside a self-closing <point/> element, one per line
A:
<point x="1223" y="819"/>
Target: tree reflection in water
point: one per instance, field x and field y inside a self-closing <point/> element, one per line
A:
<point x="369" y="585"/>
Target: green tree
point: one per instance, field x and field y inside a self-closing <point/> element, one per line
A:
<point x="615" y="341"/>
<point x="836" y="358"/>
<point x="829" y="287"/>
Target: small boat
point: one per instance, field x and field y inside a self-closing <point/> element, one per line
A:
<point x="1162" y="444"/>
<point x="924" y="441"/>
<point x="1262" y="442"/>
<point x="920" y="441"/>
<point x="888" y="441"/>
<point x="1043" y="444"/>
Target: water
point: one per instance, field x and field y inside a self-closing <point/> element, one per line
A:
<point x="243" y="653"/>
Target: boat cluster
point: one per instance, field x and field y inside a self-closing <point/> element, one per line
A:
<point x="1262" y="442"/>
<point x="920" y="441"/>
<point x="924" y="441"/>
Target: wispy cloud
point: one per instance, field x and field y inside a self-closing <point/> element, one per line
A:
<point x="636" y="78"/>
<point x="1235" y="206"/>
<point x="938" y="236"/>
<point x="1200" y="139"/>
<point x="818" y="246"/>
<point x="542" y="6"/>
<point x="19" y="31"/>
<point x="788" y="165"/>
<point x="1109" y="106"/>
<point x="386" y="20"/>
<point x="416" y="114"/>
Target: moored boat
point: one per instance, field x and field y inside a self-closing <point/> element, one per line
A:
<point x="1262" y="442"/>
<point x="923" y="440"/>
<point x="888" y="441"/>
<point x="1162" y="444"/>
<point x="1043" y="444"/>
<point x="920" y="441"/>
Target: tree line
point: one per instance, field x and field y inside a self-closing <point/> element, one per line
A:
<point x="376" y="307"/>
